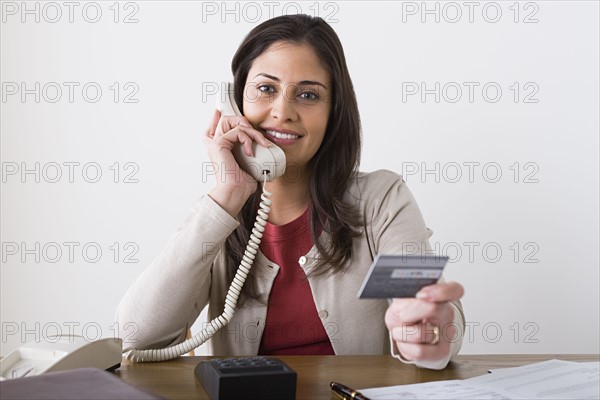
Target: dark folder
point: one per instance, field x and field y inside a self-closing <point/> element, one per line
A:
<point x="83" y="383"/>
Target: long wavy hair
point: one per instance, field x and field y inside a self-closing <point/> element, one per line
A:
<point x="335" y="162"/>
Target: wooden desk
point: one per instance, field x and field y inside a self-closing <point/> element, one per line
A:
<point x="176" y="380"/>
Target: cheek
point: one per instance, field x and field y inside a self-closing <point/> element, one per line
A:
<point x="253" y="112"/>
<point x="319" y="124"/>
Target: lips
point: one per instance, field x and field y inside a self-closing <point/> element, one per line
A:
<point x="281" y="136"/>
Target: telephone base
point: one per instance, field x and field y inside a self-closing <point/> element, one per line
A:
<point x="247" y="378"/>
<point x="59" y="353"/>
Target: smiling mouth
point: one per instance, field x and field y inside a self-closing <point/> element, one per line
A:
<point x="280" y="135"/>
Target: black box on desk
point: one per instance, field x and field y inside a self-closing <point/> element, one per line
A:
<point x="247" y="378"/>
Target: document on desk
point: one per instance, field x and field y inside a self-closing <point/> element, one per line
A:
<point x="455" y="389"/>
<point x="553" y="379"/>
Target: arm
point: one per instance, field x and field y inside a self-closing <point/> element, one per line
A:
<point x="168" y="296"/>
<point x="398" y="228"/>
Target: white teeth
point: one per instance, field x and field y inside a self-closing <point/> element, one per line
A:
<point x="280" y="135"/>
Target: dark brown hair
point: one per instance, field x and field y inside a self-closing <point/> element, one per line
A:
<point x="334" y="164"/>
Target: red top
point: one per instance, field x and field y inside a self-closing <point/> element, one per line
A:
<point x="293" y="325"/>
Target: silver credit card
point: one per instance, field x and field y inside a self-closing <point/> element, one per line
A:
<point x="397" y="276"/>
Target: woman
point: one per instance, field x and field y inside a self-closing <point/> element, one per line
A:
<point x="326" y="224"/>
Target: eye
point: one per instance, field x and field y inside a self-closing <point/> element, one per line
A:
<point x="264" y="88"/>
<point x="310" y="96"/>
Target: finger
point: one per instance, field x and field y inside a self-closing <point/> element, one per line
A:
<point x="212" y="127"/>
<point x="246" y="143"/>
<point x="427" y="311"/>
<point x="424" y="352"/>
<point x="257" y="136"/>
<point x="410" y="311"/>
<point x="229" y="122"/>
<point x="394" y="313"/>
<point x="423" y="333"/>
<point x="440" y="292"/>
<point x="239" y="135"/>
<point x="420" y="311"/>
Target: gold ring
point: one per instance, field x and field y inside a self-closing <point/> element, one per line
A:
<point x="436" y="334"/>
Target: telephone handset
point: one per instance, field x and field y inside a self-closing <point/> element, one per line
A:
<point x="270" y="159"/>
<point x="266" y="165"/>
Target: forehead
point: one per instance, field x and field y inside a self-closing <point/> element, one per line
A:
<point x="290" y="62"/>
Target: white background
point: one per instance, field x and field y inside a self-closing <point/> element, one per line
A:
<point x="540" y="295"/>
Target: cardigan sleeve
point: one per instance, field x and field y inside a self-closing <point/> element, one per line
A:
<point x="165" y="300"/>
<point x="397" y="227"/>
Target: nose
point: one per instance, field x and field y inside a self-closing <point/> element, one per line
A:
<point x="283" y="106"/>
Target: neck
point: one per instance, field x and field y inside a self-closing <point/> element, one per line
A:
<point x="290" y="198"/>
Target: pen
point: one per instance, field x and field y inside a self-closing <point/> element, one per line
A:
<point x="346" y="393"/>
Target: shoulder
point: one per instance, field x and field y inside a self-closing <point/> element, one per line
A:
<point x="368" y="187"/>
<point x="383" y="194"/>
<point x="380" y="178"/>
<point x="389" y="210"/>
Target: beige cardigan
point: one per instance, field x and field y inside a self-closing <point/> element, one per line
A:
<point x="189" y="273"/>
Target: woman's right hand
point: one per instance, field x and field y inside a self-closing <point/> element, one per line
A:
<point x="233" y="185"/>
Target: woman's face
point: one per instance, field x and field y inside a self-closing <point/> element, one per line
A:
<point x="287" y="97"/>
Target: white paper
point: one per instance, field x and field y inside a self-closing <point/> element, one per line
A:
<point x="552" y="379"/>
<point x="455" y="389"/>
<point x="539" y="366"/>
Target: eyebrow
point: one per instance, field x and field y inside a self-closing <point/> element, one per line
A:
<point x="304" y="82"/>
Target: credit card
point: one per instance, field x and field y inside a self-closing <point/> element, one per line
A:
<point x="398" y="276"/>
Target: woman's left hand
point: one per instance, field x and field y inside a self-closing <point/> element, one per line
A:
<point x="422" y="327"/>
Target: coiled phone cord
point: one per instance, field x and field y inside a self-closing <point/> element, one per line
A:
<point x="231" y="299"/>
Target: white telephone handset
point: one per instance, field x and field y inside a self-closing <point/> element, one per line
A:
<point x="270" y="159"/>
<point x="266" y="165"/>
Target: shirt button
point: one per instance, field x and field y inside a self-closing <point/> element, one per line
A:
<point x="302" y="260"/>
<point x="323" y="314"/>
